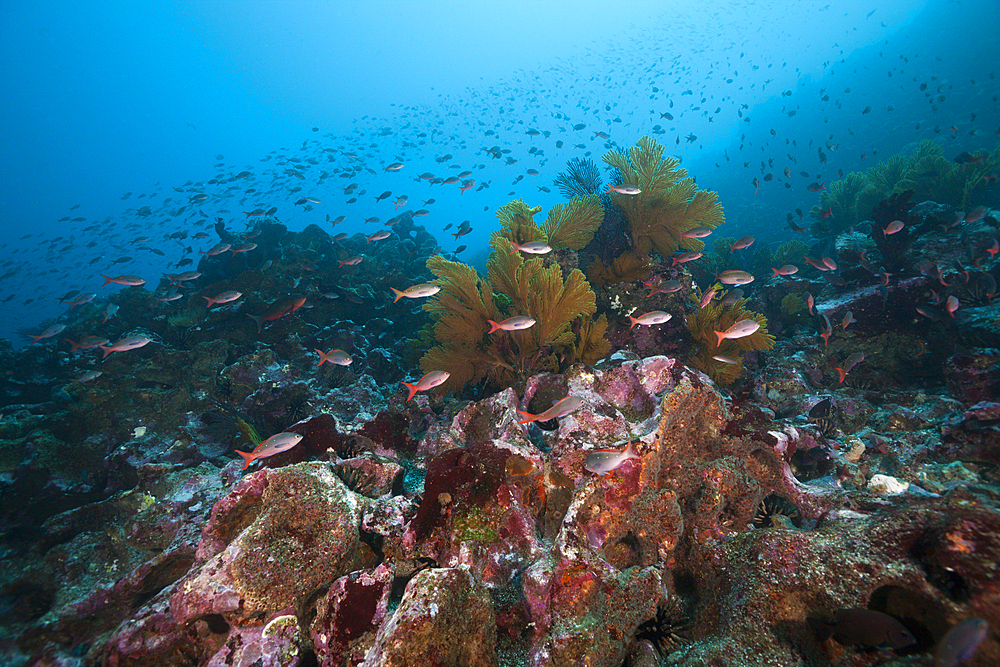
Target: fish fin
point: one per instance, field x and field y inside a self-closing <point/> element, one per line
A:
<point x="412" y="388"/>
<point x="248" y="458"/>
<point x="530" y="417"/>
<point x="106" y="279"/>
<point x="399" y="294"/>
<point x="211" y="302"/>
<point x="107" y="351"/>
<point x="635" y="320"/>
<point x="843" y="374"/>
<point x="721" y="336"/>
<point x="259" y="319"/>
<point x="494" y="326"/>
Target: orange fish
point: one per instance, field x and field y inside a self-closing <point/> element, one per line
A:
<point x="562" y="408"/>
<point x="276" y="444"/>
<point x="429" y="381"/>
<point x="278" y="309"/>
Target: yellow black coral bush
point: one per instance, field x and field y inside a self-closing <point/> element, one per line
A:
<point x="562" y="305"/>
<point x="668" y="204"/>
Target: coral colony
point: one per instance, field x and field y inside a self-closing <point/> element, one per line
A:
<point x="628" y="442"/>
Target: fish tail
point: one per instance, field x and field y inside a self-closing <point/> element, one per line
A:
<point x="530" y="417"/>
<point x="107" y="351"/>
<point x="106" y="280"/>
<point x="399" y="294"/>
<point x="776" y="273"/>
<point x="721" y="335"/>
<point x="843" y="374"/>
<point x="36" y="338"/>
<point x="259" y="319"/>
<point x="248" y="458"/>
<point x="635" y="320"/>
<point x="493" y="326"/>
<point x="73" y="343"/>
<point x="211" y="302"/>
<point x="412" y="388"/>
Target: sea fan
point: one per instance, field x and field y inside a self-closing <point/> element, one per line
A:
<point x="581" y="178"/>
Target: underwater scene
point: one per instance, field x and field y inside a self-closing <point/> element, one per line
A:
<point x="552" y="334"/>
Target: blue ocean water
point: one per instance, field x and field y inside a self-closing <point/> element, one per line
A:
<point x="118" y="115"/>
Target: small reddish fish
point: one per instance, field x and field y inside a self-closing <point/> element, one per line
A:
<point x="532" y="248"/>
<point x="994" y="249"/>
<point x="606" y="461"/>
<point x="724" y="359"/>
<point x="976" y="215"/>
<point x="827" y="213"/>
<point x="128" y="281"/>
<point x="707" y="297"/>
<point x="81" y="299"/>
<point x="560" y="409"/>
<point x="351" y="261"/>
<point x="786" y="270"/>
<point x="416" y="291"/>
<point x="87" y="343"/>
<point x="124" y="345"/>
<point x="697" y="233"/>
<point x="951" y="305"/>
<point x="735" y="277"/>
<point x="429" y="381"/>
<point x="893" y="227"/>
<point x="810" y="301"/>
<point x="848" y="319"/>
<point x="338" y="357"/>
<point x="624" y="189"/>
<point x="816" y="187"/>
<point x="225" y="297"/>
<point x="686" y="257"/>
<point x="516" y="323"/>
<point x="850" y="363"/>
<point x="380" y="235"/>
<point x="278" y="309"/>
<point x="276" y="444"/>
<point x="395" y="166"/>
<point x="744" y="242"/>
<point x="53" y="330"/>
<point x="400" y="201"/>
<point x="88" y="376"/>
<point x="217" y="249"/>
<point x="668" y="287"/>
<point x="177" y="279"/>
<point x="467" y="185"/>
<point x="650" y="318"/>
<point x="109" y="312"/>
<point x="756" y="185"/>
<point x="741" y="329"/>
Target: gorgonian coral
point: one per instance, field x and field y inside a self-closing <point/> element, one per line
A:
<point x="668" y="204"/>
<point x="561" y="305"/>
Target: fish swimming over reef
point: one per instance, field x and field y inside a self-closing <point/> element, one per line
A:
<point x="276" y="444"/>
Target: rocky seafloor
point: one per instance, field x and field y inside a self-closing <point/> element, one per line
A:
<point x="440" y="531"/>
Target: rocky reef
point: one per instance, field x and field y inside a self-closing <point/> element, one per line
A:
<point x="853" y="465"/>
